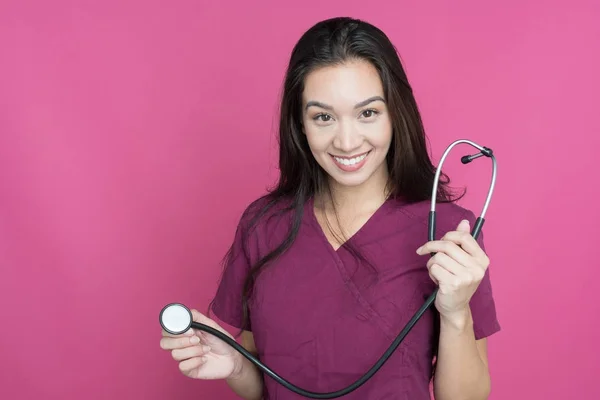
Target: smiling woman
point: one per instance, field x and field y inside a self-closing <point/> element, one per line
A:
<point x="324" y="270"/>
<point x="349" y="131"/>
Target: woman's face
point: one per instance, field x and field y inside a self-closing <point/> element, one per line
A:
<point x="346" y="122"/>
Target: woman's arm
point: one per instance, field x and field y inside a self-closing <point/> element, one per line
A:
<point x="462" y="365"/>
<point x="247" y="381"/>
<point x="459" y="267"/>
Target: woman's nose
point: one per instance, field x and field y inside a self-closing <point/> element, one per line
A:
<point x="348" y="138"/>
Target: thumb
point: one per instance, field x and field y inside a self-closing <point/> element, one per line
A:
<point x="199" y="317"/>
<point x="464" y="226"/>
<point x="203" y="319"/>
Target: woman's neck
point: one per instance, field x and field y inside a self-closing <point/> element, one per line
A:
<point x="356" y="199"/>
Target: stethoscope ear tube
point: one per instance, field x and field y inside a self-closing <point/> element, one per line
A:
<point x="431" y="226"/>
<point x="476" y="230"/>
<point x="477" y="227"/>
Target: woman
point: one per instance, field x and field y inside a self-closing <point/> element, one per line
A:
<point x="327" y="268"/>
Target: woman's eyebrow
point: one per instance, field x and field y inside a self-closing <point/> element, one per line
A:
<point x="314" y="103"/>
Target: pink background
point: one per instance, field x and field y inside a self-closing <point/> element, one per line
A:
<point x="133" y="134"/>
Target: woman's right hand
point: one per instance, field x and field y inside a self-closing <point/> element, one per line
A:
<point x="202" y="355"/>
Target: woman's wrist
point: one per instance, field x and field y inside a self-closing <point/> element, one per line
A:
<point x="238" y="367"/>
<point x="459" y="320"/>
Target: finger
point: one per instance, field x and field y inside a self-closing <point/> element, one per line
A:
<point x="440" y="274"/>
<point x="191" y="364"/>
<point x="449" y="264"/>
<point x="189" y="352"/>
<point x="466" y="242"/>
<point x="449" y="248"/>
<point x="188" y="333"/>
<point x="464" y="226"/>
<point x="433" y="278"/>
<point x="447" y="283"/>
<point x="168" y="343"/>
<point x="201" y="318"/>
<point x="459" y="275"/>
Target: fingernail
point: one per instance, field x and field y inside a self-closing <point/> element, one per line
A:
<point x="194" y="340"/>
<point x="206" y="349"/>
<point x="419" y="250"/>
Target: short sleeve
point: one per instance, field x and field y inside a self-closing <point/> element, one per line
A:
<point x="483" y="305"/>
<point x="227" y="304"/>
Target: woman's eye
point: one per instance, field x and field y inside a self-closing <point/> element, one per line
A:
<point x="369" y="113"/>
<point x="323" y="117"/>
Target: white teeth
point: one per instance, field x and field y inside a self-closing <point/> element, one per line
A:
<point x="350" y="161"/>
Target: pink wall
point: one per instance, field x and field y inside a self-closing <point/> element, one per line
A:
<point x="124" y="124"/>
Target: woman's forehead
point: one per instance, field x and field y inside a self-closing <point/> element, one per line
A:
<point x="342" y="86"/>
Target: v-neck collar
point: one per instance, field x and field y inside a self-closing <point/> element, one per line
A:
<point x="363" y="230"/>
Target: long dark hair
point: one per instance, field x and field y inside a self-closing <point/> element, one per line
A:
<point x="411" y="172"/>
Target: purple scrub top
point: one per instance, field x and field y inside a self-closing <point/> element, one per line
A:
<point x="321" y="318"/>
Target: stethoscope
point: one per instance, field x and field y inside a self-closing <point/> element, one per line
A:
<point x="175" y="318"/>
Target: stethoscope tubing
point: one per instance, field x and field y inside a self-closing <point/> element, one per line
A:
<point x="484" y="151"/>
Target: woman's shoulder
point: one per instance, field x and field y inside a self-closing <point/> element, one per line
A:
<point x="265" y="213"/>
<point x="447" y="214"/>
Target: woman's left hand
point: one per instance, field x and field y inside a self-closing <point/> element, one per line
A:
<point x="457" y="268"/>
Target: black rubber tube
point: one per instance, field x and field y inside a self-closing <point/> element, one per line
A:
<point x="362" y="380"/>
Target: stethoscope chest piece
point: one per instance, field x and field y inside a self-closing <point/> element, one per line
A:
<point x="175" y="318"/>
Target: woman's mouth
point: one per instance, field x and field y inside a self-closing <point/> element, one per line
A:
<point x="350" y="164"/>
